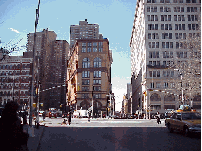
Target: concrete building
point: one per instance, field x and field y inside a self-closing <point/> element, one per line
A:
<point x="52" y="67"/>
<point x="165" y="48"/>
<point x="89" y="74"/>
<point x="15" y="78"/>
<point x="84" y="31"/>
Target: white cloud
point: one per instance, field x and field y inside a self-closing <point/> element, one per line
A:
<point x="14" y="30"/>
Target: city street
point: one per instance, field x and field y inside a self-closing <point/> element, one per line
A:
<point x="113" y="134"/>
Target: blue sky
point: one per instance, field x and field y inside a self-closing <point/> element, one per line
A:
<point x="115" y="18"/>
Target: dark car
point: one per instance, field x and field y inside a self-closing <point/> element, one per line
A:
<point x="65" y="115"/>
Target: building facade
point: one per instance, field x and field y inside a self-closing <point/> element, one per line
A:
<point x="165" y="54"/>
<point x="51" y="67"/>
<point x="15" y="78"/>
<point x="89" y="75"/>
<point x="84" y="31"/>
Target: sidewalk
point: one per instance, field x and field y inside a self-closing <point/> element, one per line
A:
<point x="33" y="141"/>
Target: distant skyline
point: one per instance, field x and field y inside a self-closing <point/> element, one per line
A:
<point x="115" y="19"/>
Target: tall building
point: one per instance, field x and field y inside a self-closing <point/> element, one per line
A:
<point x="89" y="75"/>
<point x="84" y="31"/>
<point x="52" y="67"/>
<point x="165" y="54"/>
<point x="15" y="78"/>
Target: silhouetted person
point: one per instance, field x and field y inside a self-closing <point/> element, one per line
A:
<point x="24" y="116"/>
<point x="69" y="119"/>
<point x="12" y="135"/>
<point x="44" y="115"/>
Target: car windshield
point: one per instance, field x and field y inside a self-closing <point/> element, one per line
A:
<point x="191" y="116"/>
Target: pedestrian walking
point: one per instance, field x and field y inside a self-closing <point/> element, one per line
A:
<point x="44" y="115"/>
<point x="69" y="119"/>
<point x="14" y="139"/>
<point x="158" y="117"/>
<point x="24" y="116"/>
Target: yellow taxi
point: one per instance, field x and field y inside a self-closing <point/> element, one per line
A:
<point x="184" y="121"/>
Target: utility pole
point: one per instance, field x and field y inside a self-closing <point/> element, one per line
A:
<point x="33" y="64"/>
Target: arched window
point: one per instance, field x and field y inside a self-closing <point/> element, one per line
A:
<point x="155" y="97"/>
<point x="86" y="63"/>
<point x="97" y="62"/>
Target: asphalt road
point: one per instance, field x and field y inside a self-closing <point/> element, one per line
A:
<point x="112" y="137"/>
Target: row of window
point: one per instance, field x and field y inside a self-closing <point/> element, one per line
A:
<point x="89" y="44"/>
<point x="174" y="1"/>
<point x="168" y="9"/>
<point x="96" y="63"/>
<point x="169" y="35"/>
<point x="172" y="85"/>
<point x="89" y="49"/>
<point x="168" y="54"/>
<point x="87" y="82"/>
<point x="95" y="88"/>
<point x="86" y="74"/>
<point x="12" y="67"/>
<point x="177" y="26"/>
<point x="95" y="96"/>
<point x="176" y="17"/>
<point x="167" y="73"/>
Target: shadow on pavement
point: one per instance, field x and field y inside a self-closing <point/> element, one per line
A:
<point x="115" y="138"/>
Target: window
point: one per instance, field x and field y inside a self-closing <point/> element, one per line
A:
<point x="85" y="74"/>
<point x="84" y="88"/>
<point x="167" y="54"/>
<point x="83" y="49"/>
<point x="153" y="36"/>
<point x="165" y="17"/>
<point x="89" y="44"/>
<point x="83" y="44"/>
<point x="85" y="82"/>
<point x="152" y="26"/>
<point x="166" y="35"/>
<point x="152" y="85"/>
<point x="166" y="27"/>
<point x="153" y="44"/>
<point x="191" y="9"/>
<point x="94" y="44"/>
<point x="86" y="63"/>
<point x="165" y="9"/>
<point x="152" y="17"/>
<point x="179" y="26"/>
<point x="97" y="74"/>
<point x="151" y="9"/>
<point x="89" y="49"/>
<point x="96" y="96"/>
<point x="94" y="49"/>
<point x="85" y="96"/>
<point x="181" y="54"/>
<point x="165" y="84"/>
<point x="96" y="82"/>
<point x="96" y="88"/>
<point x="100" y="49"/>
<point x="100" y="44"/>
<point x="154" y="54"/>
<point x="97" y="63"/>
<point x="178" y="9"/>
<point x="180" y="35"/>
<point x="192" y="17"/>
<point x="167" y="44"/>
